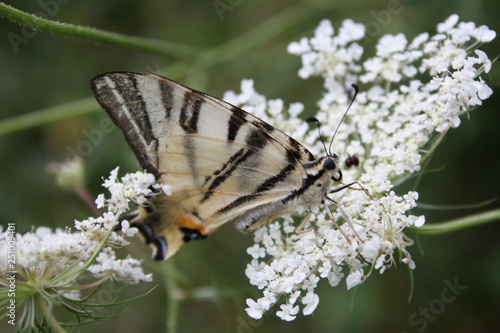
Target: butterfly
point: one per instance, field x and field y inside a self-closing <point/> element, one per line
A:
<point x="223" y="163"/>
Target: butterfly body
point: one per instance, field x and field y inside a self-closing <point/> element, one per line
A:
<point x="223" y="163"/>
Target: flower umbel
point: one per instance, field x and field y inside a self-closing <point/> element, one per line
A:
<point x="393" y="126"/>
<point x="50" y="265"/>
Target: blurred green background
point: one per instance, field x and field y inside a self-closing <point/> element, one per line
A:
<point x="49" y="70"/>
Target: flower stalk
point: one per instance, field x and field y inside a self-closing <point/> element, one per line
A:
<point x="458" y="224"/>
<point x="150" y="45"/>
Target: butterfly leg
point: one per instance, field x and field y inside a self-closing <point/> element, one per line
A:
<point x="338" y="189"/>
<point x="344" y="215"/>
<point x="329" y="212"/>
<point x="344" y="186"/>
<point x="300" y="229"/>
<point x="350" y="224"/>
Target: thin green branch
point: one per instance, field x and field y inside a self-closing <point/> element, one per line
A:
<point x="209" y="58"/>
<point x="435" y="144"/>
<point x="458" y="224"/>
<point x="265" y="31"/>
<point x="173" y="304"/>
<point x="155" y="46"/>
<point x="479" y="204"/>
<point x="48" y="115"/>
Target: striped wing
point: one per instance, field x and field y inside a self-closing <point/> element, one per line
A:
<point x="221" y="161"/>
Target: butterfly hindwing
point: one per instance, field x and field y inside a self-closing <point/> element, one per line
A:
<point x="222" y="163"/>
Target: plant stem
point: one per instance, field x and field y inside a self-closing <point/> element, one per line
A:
<point x="458" y="224"/>
<point x="172" y="305"/>
<point x="209" y="58"/>
<point x="435" y="144"/>
<point x="48" y="315"/>
<point x="48" y="115"/>
<point x="155" y="46"/>
<point x="262" y="33"/>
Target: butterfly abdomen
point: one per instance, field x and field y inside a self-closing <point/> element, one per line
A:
<point x="165" y="228"/>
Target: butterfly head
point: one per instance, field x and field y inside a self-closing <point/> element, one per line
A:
<point x="331" y="167"/>
<point x="318" y="182"/>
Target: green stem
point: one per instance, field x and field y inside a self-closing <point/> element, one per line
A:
<point x="458" y="224"/>
<point x="48" y="315"/>
<point x="209" y="58"/>
<point x="262" y="33"/>
<point x="48" y="115"/>
<point x="434" y="146"/>
<point x="155" y="46"/>
<point x="172" y="305"/>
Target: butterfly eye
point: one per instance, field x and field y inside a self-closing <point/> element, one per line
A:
<point x="329" y="164"/>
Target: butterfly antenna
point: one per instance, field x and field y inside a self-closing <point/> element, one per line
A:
<point x="315" y="120"/>
<point x="356" y="90"/>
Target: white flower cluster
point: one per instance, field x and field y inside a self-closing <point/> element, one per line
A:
<point x="410" y="91"/>
<point x="127" y="270"/>
<point x="134" y="187"/>
<point x="57" y="258"/>
<point x="37" y="248"/>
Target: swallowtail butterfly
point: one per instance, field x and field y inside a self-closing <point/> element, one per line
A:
<point x="223" y="163"/>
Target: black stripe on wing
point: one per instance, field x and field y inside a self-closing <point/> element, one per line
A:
<point x="264" y="187"/>
<point x="190" y="112"/>
<point x="236" y="121"/>
<point x="257" y="139"/>
<point x="167" y="98"/>
<point x="130" y="114"/>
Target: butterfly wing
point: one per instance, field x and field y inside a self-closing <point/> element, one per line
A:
<point x="221" y="161"/>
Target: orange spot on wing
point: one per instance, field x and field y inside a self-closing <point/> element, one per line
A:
<point x="185" y="221"/>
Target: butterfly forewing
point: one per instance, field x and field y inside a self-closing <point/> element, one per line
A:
<point x="221" y="161"/>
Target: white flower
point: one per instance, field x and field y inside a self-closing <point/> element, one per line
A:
<point x="256" y="251"/>
<point x="311" y="301"/>
<point x="418" y="41"/>
<point x="351" y="31"/>
<point x="42" y="248"/>
<point x="299" y="47"/>
<point x="167" y="189"/>
<point x="390" y="126"/>
<point x="448" y="24"/>
<point x="135" y="187"/>
<point x="100" y="201"/>
<point x="55" y="260"/>
<point x="127" y="231"/>
<point x="390" y="44"/>
<point x="371" y="248"/>
<point x="327" y="54"/>
<point x="256" y="309"/>
<point x="288" y="312"/>
<point x="127" y="270"/>
<point x="484" y="35"/>
<point x="354" y="278"/>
